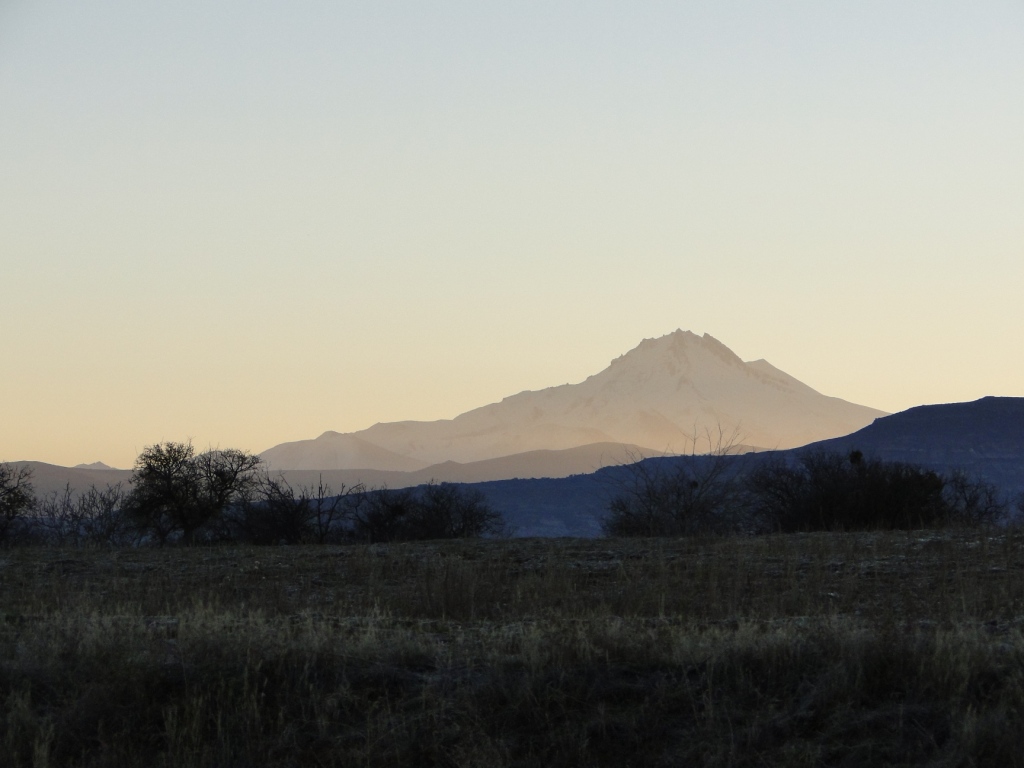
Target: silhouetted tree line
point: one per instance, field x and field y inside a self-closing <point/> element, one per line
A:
<point x="820" y="491"/>
<point x="177" y="496"/>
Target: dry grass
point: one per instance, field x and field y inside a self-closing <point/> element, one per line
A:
<point x="820" y="649"/>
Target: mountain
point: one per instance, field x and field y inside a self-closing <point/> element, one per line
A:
<point x="95" y="465"/>
<point x="660" y="394"/>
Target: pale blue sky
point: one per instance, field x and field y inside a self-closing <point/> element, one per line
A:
<point x="250" y="222"/>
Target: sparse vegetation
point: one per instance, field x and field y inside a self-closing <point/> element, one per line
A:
<point x="827" y="491"/>
<point x="883" y="648"/>
<point x="436" y="511"/>
<point x="694" y="495"/>
<point x="820" y="491"/>
<point x="177" y="496"/>
<point x="682" y="496"/>
<point x="94" y="518"/>
<point x="281" y="514"/>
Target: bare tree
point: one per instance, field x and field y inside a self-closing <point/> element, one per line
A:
<point x="17" y="497"/>
<point x="328" y="509"/>
<point x="973" y="501"/>
<point x="281" y="514"/>
<point x="679" y="496"/>
<point x="176" y="493"/>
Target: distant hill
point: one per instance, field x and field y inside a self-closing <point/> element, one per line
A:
<point x="48" y="479"/>
<point x="334" y="450"/>
<point x="984" y="437"/>
<point x="582" y="460"/>
<point x="659" y="394"/>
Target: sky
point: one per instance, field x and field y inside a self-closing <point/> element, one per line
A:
<point x="243" y="223"/>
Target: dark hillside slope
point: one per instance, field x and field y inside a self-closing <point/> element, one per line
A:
<point x="575" y="506"/>
<point x="550" y="507"/>
<point x="985" y="438"/>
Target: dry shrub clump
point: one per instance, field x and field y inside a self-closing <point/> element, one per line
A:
<point x="882" y="649"/>
<point x="811" y="490"/>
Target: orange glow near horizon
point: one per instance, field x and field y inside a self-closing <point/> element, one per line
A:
<point x="248" y="225"/>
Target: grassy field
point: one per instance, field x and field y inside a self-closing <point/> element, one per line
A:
<point x="803" y="650"/>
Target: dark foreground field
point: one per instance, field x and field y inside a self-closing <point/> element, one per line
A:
<point x="823" y="649"/>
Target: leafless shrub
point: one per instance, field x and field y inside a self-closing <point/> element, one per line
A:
<point x="94" y="518"/>
<point x="447" y="511"/>
<point x="382" y="514"/>
<point x="831" y="491"/>
<point x="680" y="496"/>
<point x="436" y="511"/>
<point x="281" y="514"/>
<point x="973" y="501"/>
